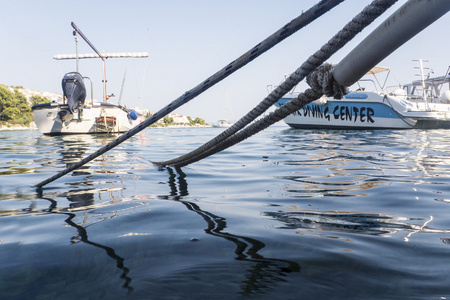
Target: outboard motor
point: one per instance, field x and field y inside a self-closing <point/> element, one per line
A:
<point x="74" y="90"/>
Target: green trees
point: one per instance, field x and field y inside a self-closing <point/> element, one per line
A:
<point x="36" y="99"/>
<point x="14" y="107"/>
<point x="196" y="121"/>
<point x="168" y="120"/>
<point x="199" y="121"/>
<point x="7" y="104"/>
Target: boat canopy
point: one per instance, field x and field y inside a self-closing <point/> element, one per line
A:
<point x="105" y="55"/>
<point x="377" y="69"/>
<point x="433" y="81"/>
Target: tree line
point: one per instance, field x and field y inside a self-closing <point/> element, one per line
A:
<point x="168" y="121"/>
<point x="15" y="108"/>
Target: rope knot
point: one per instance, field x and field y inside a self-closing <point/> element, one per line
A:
<point x="321" y="80"/>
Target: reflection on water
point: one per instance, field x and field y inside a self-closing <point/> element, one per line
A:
<point x="81" y="227"/>
<point x="333" y="163"/>
<point x="265" y="272"/>
<point x="82" y="204"/>
<point x="81" y="235"/>
<point x="318" y="222"/>
<point x="76" y="147"/>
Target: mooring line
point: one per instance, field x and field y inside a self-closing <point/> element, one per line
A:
<point x="405" y="23"/>
<point x="275" y="116"/>
<point x="293" y="26"/>
<point x="224" y="140"/>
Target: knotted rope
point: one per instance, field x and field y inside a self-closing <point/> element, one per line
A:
<point x="327" y="84"/>
<point x="321" y="81"/>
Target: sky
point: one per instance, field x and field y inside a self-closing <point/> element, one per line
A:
<point x="187" y="42"/>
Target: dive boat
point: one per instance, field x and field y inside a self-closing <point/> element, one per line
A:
<point x="75" y="114"/>
<point x="423" y="104"/>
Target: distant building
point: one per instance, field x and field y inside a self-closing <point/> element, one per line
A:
<point x="179" y="119"/>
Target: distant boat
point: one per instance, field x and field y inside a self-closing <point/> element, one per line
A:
<point x="75" y="115"/>
<point x="222" y="124"/>
<point x="423" y="104"/>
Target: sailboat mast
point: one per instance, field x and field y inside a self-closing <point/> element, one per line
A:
<point x="123" y="83"/>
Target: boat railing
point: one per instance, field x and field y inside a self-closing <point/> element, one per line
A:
<point x="430" y="89"/>
<point x="363" y="88"/>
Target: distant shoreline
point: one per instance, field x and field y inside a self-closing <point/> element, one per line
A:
<point x="181" y="126"/>
<point x="15" y="127"/>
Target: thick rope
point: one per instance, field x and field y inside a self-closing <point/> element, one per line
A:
<point x="296" y="24"/>
<point x="223" y="140"/>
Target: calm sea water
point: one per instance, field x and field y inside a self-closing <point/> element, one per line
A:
<point x="287" y="214"/>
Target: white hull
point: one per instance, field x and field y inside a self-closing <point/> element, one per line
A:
<point x="53" y="119"/>
<point x="222" y="124"/>
<point x="368" y="110"/>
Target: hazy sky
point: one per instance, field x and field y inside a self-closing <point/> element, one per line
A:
<point x="187" y="41"/>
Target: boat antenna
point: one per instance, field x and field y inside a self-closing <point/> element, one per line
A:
<point x="422" y="79"/>
<point x="77" y="30"/>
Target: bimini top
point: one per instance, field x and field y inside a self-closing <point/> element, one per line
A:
<point x="105" y="55"/>
<point x="377" y="69"/>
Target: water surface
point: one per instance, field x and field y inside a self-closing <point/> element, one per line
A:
<point x="287" y="214"/>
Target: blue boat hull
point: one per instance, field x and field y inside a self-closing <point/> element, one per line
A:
<point x="344" y="114"/>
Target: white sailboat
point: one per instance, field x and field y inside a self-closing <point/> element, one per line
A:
<point x="224" y="123"/>
<point x="76" y="115"/>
